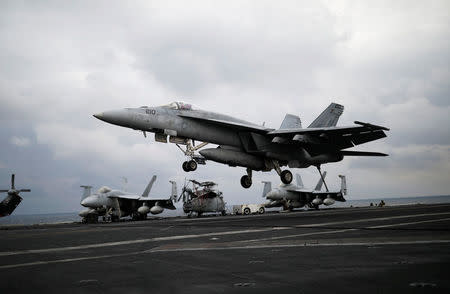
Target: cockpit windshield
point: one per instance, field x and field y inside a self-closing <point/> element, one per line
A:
<point x="179" y="106"/>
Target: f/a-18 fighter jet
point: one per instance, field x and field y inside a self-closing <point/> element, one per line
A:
<point x="249" y="145"/>
<point x="9" y="204"/>
<point x="296" y="196"/>
<point x="116" y="204"/>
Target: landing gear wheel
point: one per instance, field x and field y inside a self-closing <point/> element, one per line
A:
<point x="185" y="166"/>
<point x="286" y="177"/>
<point x="246" y="211"/>
<point x="224" y="212"/>
<point x="246" y="182"/>
<point x="192" y="165"/>
<point x="261" y="210"/>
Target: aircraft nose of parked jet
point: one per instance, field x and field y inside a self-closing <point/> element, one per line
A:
<point x="88" y="202"/>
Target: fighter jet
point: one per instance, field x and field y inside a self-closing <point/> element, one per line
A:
<point x="116" y="204"/>
<point x="291" y="196"/>
<point x="249" y="145"/>
<point x="9" y="204"/>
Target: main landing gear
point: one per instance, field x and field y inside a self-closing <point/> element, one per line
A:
<point x="285" y="176"/>
<point x="246" y="180"/>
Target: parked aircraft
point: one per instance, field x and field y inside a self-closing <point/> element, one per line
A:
<point x="9" y="204"/>
<point x="292" y="196"/>
<point x="249" y="145"/>
<point x="202" y="197"/>
<point x="116" y="204"/>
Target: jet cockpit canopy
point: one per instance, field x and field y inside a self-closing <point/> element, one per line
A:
<point x="179" y="106"/>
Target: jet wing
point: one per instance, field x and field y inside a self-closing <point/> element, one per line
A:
<point x="342" y="137"/>
<point x="242" y="126"/>
<point x="129" y="197"/>
<point x="306" y="191"/>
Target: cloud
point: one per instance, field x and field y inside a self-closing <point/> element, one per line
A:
<point x="20" y="141"/>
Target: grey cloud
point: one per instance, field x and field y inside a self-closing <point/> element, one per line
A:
<point x="61" y="63"/>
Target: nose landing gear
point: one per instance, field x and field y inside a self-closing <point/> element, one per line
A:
<point x="190" y="165"/>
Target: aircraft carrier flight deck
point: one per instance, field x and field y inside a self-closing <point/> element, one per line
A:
<point x="392" y="249"/>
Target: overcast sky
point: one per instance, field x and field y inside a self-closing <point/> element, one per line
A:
<point x="387" y="62"/>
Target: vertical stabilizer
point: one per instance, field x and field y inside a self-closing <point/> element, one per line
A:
<point x="291" y="122"/>
<point x="86" y="191"/>
<point x="174" y="191"/>
<point x="299" y="181"/>
<point x="12" y="182"/>
<point x="329" y="117"/>
<point x="267" y="188"/>
<point x="320" y="182"/>
<point x="343" y="185"/>
<point x="149" y="187"/>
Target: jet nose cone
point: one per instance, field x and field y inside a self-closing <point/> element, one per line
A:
<point x="98" y="115"/>
<point x="84" y="203"/>
<point x="119" y="117"/>
<point x="87" y="202"/>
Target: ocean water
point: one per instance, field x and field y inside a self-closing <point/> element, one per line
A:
<point x="31" y="219"/>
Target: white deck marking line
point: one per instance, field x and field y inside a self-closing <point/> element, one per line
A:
<point x="410" y="223"/>
<point x="371" y="219"/>
<point x="297" y="235"/>
<point x="108" y="244"/>
<point x="270" y="246"/>
<point x="343" y="230"/>
<point x="67" y="260"/>
<point x="169" y="238"/>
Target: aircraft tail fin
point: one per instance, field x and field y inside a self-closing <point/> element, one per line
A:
<point x="267" y="188"/>
<point x="174" y="194"/>
<point x="86" y="191"/>
<point x="329" y="117"/>
<point x="12" y="182"/>
<point x="299" y="181"/>
<point x="291" y="122"/>
<point x="149" y="187"/>
<point x="343" y="185"/>
<point x="320" y="182"/>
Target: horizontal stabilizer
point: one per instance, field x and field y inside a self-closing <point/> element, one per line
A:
<point x="362" y="153"/>
<point x="371" y="126"/>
